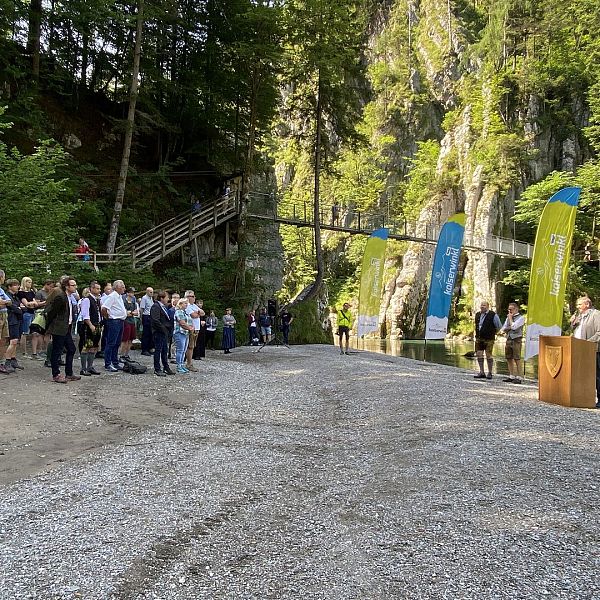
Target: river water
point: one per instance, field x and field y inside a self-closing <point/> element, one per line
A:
<point x="444" y="352"/>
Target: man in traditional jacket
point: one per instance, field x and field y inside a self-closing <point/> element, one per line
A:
<point x="487" y="325"/>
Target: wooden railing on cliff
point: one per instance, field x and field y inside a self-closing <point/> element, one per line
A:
<point x="359" y="222"/>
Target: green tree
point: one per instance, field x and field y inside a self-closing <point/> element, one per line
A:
<point x="324" y="40"/>
<point x="37" y="204"/>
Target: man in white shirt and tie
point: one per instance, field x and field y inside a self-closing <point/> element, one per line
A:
<point x="586" y="326"/>
<point x="114" y="313"/>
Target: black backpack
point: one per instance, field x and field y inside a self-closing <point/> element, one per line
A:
<point x="134" y="367"/>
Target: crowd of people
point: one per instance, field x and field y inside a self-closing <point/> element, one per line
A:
<point x="57" y="320"/>
<point x="53" y="322"/>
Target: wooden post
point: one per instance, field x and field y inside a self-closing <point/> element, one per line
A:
<point x="197" y="255"/>
<point x="227" y="239"/>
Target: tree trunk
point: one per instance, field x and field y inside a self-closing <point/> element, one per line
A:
<point x="133" y="92"/>
<point x="85" y="52"/>
<point x="316" y="288"/>
<point x="33" y="41"/>
<point x="245" y="187"/>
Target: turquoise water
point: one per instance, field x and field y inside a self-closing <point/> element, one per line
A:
<point x="443" y="352"/>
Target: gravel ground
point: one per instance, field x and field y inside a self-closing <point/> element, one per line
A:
<point x="303" y="473"/>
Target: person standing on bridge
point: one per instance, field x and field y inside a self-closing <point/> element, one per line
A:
<point x="487" y="325"/>
<point x="335" y="213"/>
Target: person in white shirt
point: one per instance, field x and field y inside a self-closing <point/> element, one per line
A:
<point x="586" y="326"/>
<point x="108" y="288"/>
<point x="194" y="311"/>
<point x="146" y="303"/>
<point x="114" y="313"/>
<point x="513" y="328"/>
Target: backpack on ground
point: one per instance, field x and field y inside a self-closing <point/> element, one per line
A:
<point x="134" y="367"/>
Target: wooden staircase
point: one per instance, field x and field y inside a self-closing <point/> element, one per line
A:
<point x="164" y="239"/>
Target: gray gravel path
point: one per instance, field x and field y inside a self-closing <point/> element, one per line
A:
<point x="303" y="473"/>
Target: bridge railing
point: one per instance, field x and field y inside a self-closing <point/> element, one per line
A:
<point x="509" y="247"/>
<point x="335" y="218"/>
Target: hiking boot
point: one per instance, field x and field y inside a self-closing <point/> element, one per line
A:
<point x="160" y="374"/>
<point x="479" y="376"/>
<point x="489" y="375"/>
<point x="92" y="371"/>
<point x="72" y="378"/>
<point x="85" y="373"/>
<point x="59" y="379"/>
<point x="169" y="372"/>
<point x="15" y="364"/>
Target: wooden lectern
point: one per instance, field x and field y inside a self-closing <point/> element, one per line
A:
<point x="567" y="371"/>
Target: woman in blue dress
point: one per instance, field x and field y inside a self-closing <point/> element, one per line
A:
<point x="228" y="331"/>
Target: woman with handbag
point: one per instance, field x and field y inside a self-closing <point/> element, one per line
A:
<point x="38" y="325"/>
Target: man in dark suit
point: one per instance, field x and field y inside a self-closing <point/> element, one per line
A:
<point x="586" y="326"/>
<point x="161" y="323"/>
<point x="59" y="323"/>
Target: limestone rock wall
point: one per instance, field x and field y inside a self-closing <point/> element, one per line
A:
<point x="442" y="65"/>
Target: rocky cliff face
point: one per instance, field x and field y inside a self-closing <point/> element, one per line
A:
<point x="480" y="132"/>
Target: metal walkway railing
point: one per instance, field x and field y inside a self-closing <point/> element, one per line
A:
<point x="363" y="223"/>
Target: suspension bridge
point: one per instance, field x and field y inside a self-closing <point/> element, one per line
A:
<point x="356" y="222"/>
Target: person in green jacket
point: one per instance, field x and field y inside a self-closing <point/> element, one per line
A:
<point x="344" y="321"/>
